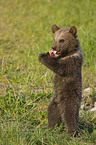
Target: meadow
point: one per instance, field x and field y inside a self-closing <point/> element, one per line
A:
<point x="25" y="84"/>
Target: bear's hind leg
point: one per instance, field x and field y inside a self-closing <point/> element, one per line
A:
<point x="53" y="114"/>
<point x="70" y="117"/>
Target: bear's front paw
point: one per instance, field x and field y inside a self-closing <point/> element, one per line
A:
<point x="42" y="55"/>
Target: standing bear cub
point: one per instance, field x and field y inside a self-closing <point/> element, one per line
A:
<point x="65" y="60"/>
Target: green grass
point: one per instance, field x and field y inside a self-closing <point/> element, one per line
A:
<point x="25" y="84"/>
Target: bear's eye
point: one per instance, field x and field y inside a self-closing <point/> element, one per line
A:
<point x="61" y="40"/>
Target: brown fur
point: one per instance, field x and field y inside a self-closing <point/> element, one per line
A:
<point x="66" y="65"/>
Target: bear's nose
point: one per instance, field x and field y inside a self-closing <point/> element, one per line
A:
<point x="53" y="47"/>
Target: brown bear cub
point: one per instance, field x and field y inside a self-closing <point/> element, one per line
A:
<point x="65" y="60"/>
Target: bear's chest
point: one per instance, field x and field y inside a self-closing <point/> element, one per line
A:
<point x="62" y="83"/>
<point x="59" y="81"/>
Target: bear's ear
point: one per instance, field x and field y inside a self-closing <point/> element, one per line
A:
<point x="55" y="28"/>
<point x="73" y="30"/>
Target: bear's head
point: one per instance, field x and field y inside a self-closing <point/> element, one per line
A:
<point x="65" y="42"/>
